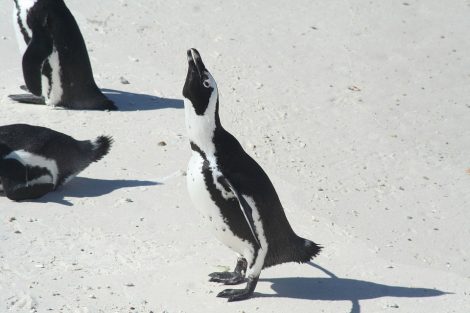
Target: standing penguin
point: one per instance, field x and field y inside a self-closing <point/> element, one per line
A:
<point x="234" y="192"/>
<point x="36" y="160"/>
<point x="56" y="66"/>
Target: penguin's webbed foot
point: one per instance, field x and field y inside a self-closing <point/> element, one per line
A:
<point x="235" y="294"/>
<point x="227" y="278"/>
<point x="240" y="294"/>
<point x="28" y="98"/>
<point x="231" y="278"/>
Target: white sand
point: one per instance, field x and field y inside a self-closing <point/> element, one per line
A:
<point x="358" y="110"/>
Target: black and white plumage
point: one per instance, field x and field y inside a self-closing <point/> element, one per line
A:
<point x="233" y="191"/>
<point x="56" y="67"/>
<point x="36" y="160"/>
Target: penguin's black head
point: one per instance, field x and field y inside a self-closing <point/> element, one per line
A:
<point x="200" y="87"/>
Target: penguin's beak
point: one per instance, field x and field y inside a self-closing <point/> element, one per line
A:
<point x="195" y="62"/>
<point x="197" y="75"/>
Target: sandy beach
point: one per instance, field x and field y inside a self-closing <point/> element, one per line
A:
<point x="359" y="112"/>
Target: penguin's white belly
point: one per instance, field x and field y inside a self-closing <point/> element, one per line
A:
<point x="202" y="200"/>
<point x="52" y="87"/>
<point x="19" y="36"/>
<point x="24" y="7"/>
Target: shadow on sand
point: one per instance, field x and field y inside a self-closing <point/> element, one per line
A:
<point x="128" y="101"/>
<point x="81" y="187"/>
<point x="341" y="289"/>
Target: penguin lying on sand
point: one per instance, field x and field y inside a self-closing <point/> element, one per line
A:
<point x="56" y="67"/>
<point x="36" y="160"/>
<point x="233" y="191"/>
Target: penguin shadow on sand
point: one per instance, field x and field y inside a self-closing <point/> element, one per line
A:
<point x="129" y="101"/>
<point x="335" y="288"/>
<point x="82" y="187"/>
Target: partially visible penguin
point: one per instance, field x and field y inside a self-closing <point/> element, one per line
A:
<point x="36" y="160"/>
<point x="233" y="192"/>
<point x="56" y="66"/>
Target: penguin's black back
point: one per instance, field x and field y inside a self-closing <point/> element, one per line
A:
<point x="248" y="178"/>
<point x="78" y="85"/>
<point x="76" y="71"/>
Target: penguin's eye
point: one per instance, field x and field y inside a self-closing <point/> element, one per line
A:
<point x="206" y="84"/>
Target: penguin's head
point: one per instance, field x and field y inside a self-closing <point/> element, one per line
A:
<point x="200" y="87"/>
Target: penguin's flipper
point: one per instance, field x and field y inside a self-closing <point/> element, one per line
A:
<point x="39" y="48"/>
<point x="28" y="98"/>
<point x="13" y="177"/>
<point x="244" y="206"/>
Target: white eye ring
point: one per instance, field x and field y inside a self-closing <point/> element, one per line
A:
<point x="206" y="84"/>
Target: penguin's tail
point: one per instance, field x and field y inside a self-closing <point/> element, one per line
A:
<point x="100" y="147"/>
<point x="304" y="250"/>
<point x="295" y="249"/>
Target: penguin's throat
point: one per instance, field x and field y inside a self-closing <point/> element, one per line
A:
<point x="200" y="128"/>
<point x="203" y="137"/>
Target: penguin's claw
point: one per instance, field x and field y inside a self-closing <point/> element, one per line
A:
<point x="235" y="294"/>
<point x="227" y="278"/>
